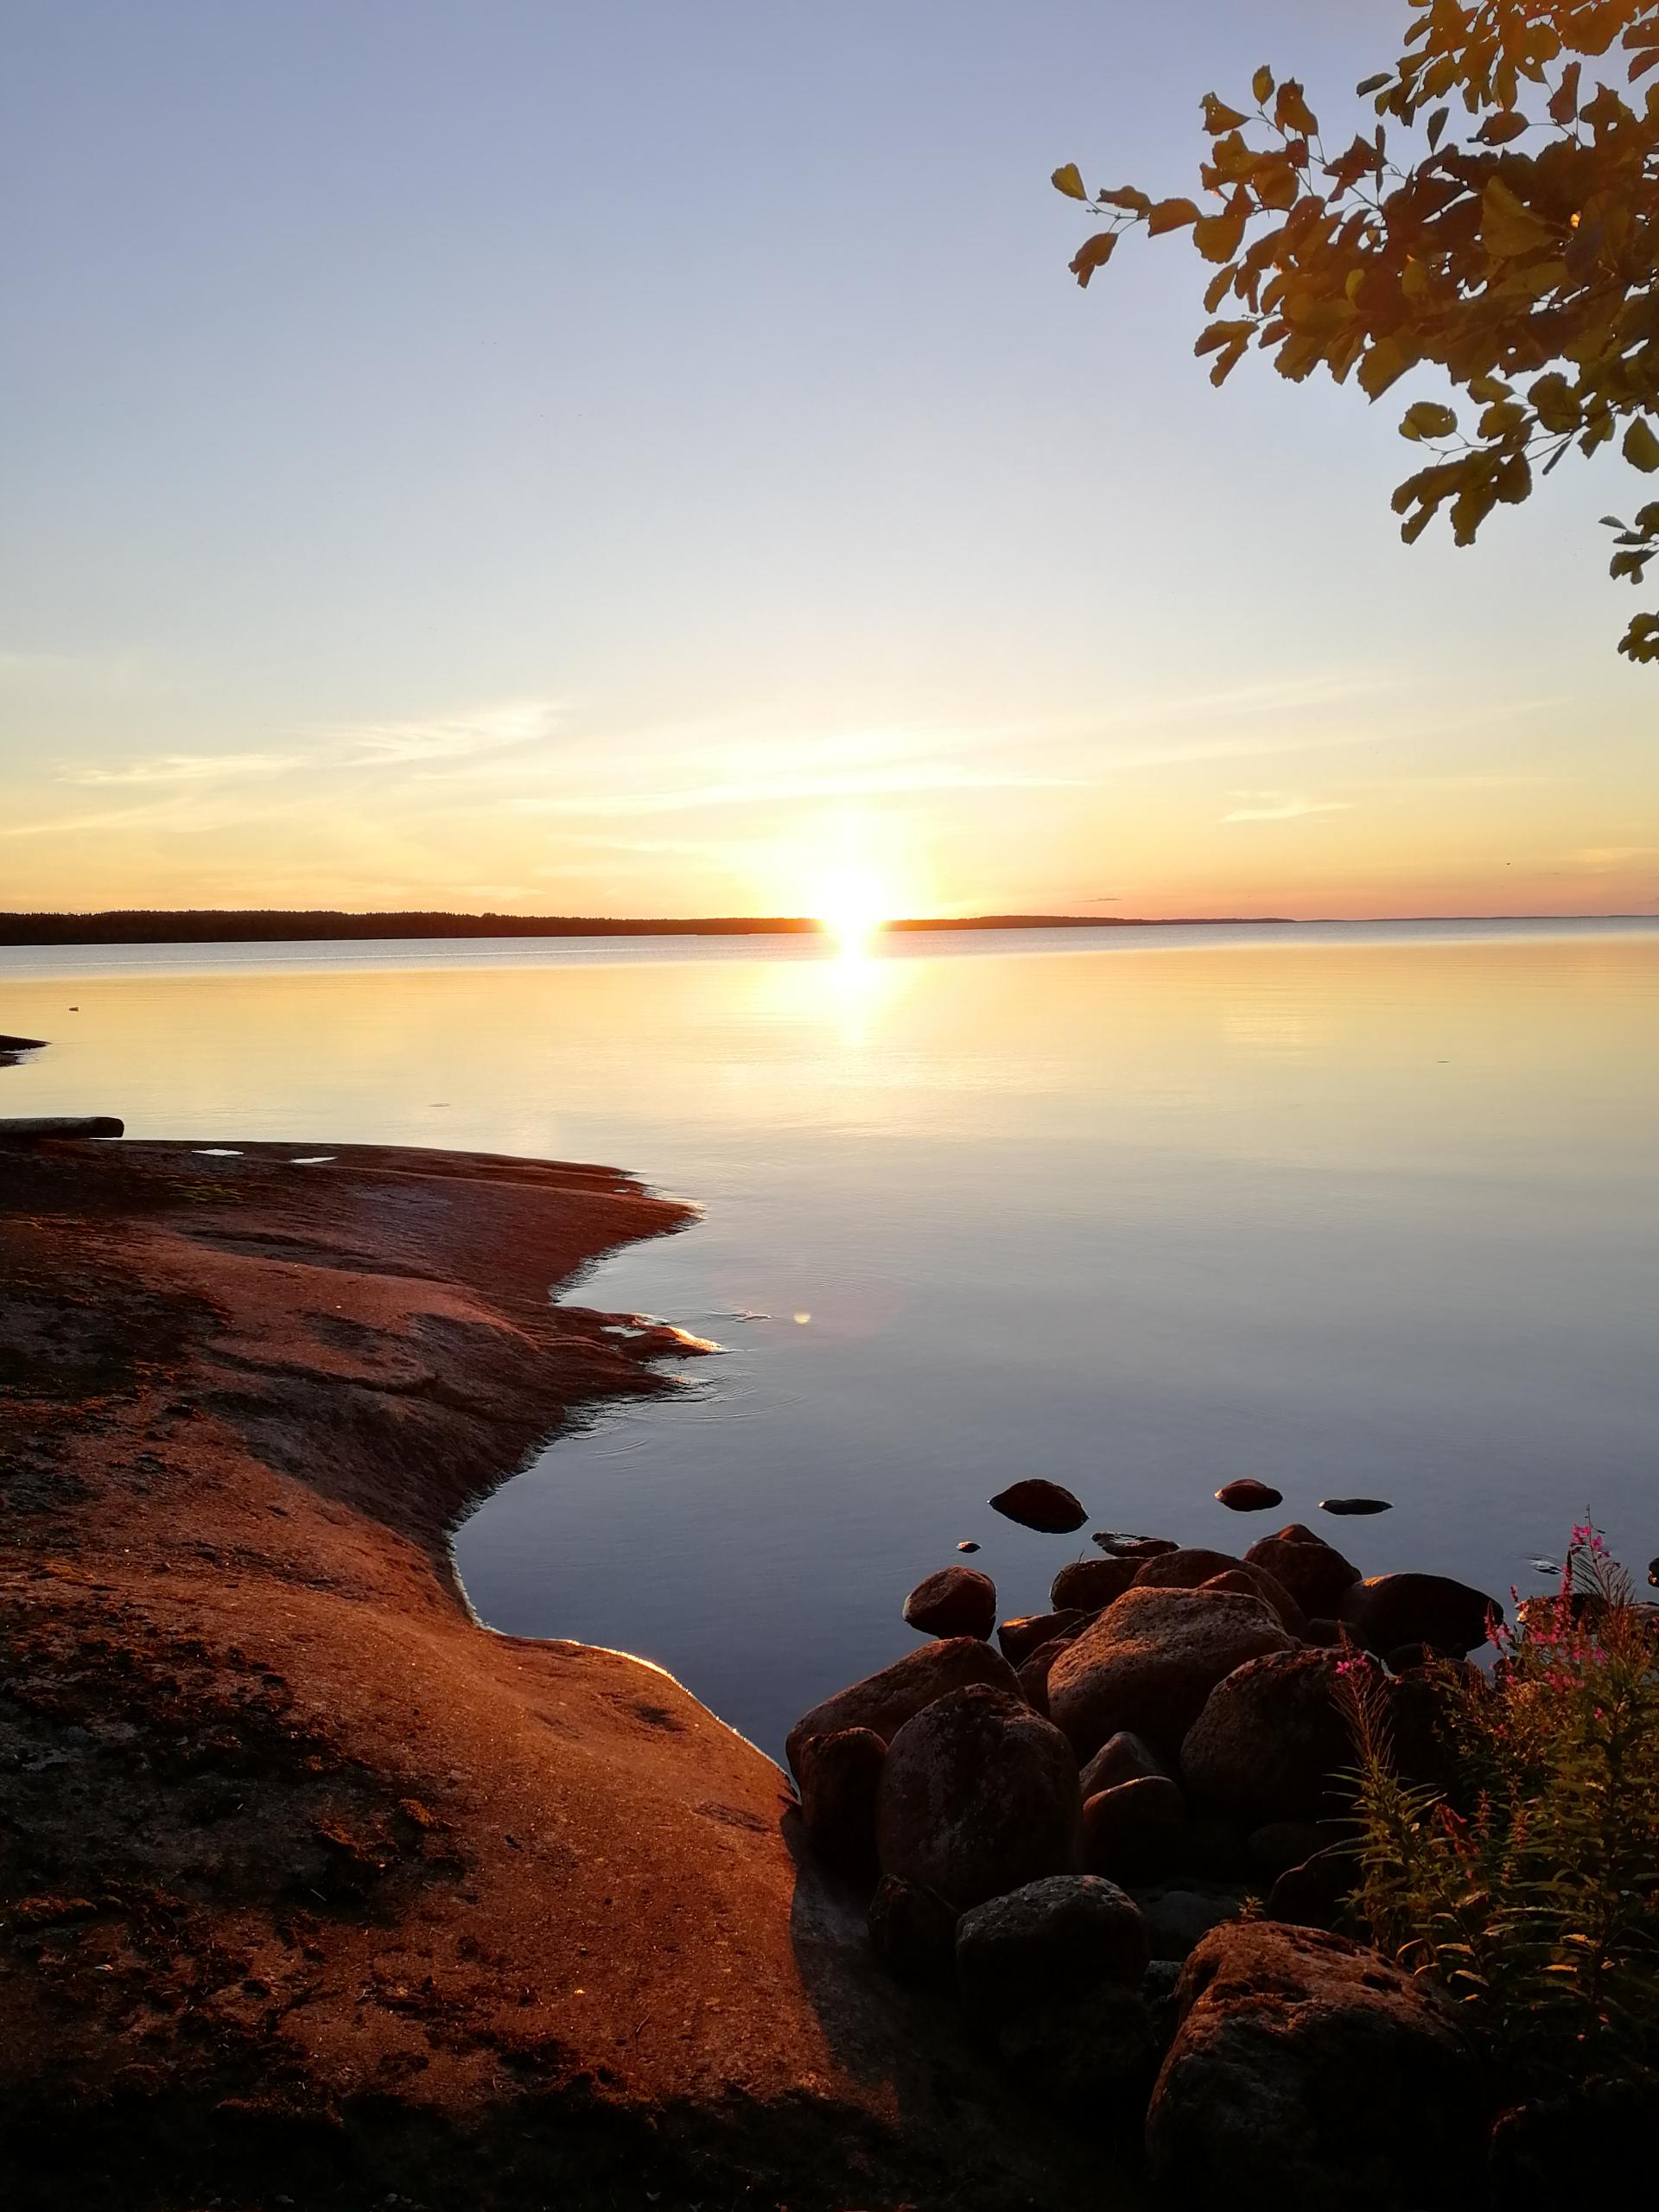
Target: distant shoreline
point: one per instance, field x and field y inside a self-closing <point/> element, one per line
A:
<point x="237" y="925"/>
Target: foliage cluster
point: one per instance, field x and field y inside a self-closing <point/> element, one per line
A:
<point x="1501" y="221"/>
<point x="1532" y="1900"/>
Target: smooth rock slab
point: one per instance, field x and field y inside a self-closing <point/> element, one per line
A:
<point x="1308" y="2073"/>
<point x="886" y="1701"/>
<point x="1051" y="1941"/>
<point x="957" y="1601"/>
<point x="1036" y="1504"/>
<point x="979" y="1797"/>
<point x="1150" y="1661"/>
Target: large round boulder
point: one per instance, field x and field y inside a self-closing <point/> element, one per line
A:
<point x="1129" y="1830"/>
<point x="1050" y="1941"/>
<point x="1150" y="1661"/>
<point x="1038" y="1503"/>
<point x="979" y="1797"/>
<point x="1308" y="2072"/>
<point x="957" y="1601"/>
<point x="1122" y="1758"/>
<point x="1390" y="1609"/>
<point x="1019" y="1638"/>
<point x="885" y="1702"/>
<point x="1300" y="1561"/>
<point x="1270" y="1738"/>
<point x="1189" y="1569"/>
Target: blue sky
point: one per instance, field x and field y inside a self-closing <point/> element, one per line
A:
<point x="652" y="459"/>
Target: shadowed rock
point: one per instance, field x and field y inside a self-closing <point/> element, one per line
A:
<point x="1036" y="1504"/>
<point x="1248" y="1496"/>
<point x="957" y="1601"/>
<point x="1019" y="1638"/>
<point x="1150" y="1661"/>
<point x="1129" y="1830"/>
<point x="1049" y="1940"/>
<point x="886" y="1701"/>
<point x="1089" y="1585"/>
<point x="1394" y="1609"/>
<point x="1315" y="1573"/>
<point x="1122" y="1758"/>
<point x="1189" y="1569"/>
<point x="840" y="1776"/>
<point x="1269" y="1739"/>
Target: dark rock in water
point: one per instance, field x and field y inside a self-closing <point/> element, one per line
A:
<point x="914" y="1933"/>
<point x="1089" y="1585"/>
<point x="1315" y="1573"/>
<point x="1127" y="1828"/>
<point x="1018" y="1639"/>
<point x="1122" y="1758"/>
<point x="1050" y="1941"/>
<point x="968" y="1545"/>
<point x="1313" y="1894"/>
<point x="1190" y="1569"/>
<point x="1150" y="1661"/>
<point x="1269" y="1740"/>
<point x="885" y="1702"/>
<point x="1095" y="2057"/>
<point x="1039" y="1505"/>
<point x="979" y="1797"/>
<point x="957" y="1601"/>
<point x="1393" y="1609"/>
<point x="840" y="1776"/>
<point x="1179" y="1920"/>
<point x="1122" y="1546"/>
<point x="22" y="1044"/>
<point x="1277" y="1845"/>
<point x="1309" y="2073"/>
<point x="1248" y="1496"/>
<point x="1354" y="1505"/>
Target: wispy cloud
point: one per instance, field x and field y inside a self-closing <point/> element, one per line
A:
<point x="490" y="729"/>
<point x="771" y="791"/>
<point x="186" y="768"/>
<point x="1283" y="806"/>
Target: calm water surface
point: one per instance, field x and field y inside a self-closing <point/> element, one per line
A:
<point x="1350" y="1209"/>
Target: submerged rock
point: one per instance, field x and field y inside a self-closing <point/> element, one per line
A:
<point x="1036" y="1504"/>
<point x="979" y="1797"/>
<point x="1049" y="1940"/>
<point x="886" y="1701"/>
<point x="957" y="1601"/>
<point x="1308" y="2073"/>
<point x="1248" y="1496"/>
<point x="1150" y="1661"/>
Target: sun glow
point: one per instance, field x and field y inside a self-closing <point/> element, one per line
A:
<point x="853" y="906"/>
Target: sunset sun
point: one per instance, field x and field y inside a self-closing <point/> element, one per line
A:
<point x="852" y="904"/>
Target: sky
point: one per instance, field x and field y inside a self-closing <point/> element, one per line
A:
<point x="651" y="459"/>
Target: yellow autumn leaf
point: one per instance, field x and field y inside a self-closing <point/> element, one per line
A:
<point x="1069" y="179"/>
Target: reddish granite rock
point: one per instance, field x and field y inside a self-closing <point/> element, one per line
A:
<point x="957" y="1601"/>
<point x="1248" y="1496"/>
<point x="1150" y="1661"/>
<point x="1039" y="1505"/>
<point x="1089" y="1585"/>
<point x="1190" y="1569"/>
<point x="1129" y="1830"/>
<point x="1269" y="1739"/>
<point x="1308" y="2073"/>
<point x="979" y="1797"/>
<point x="1315" y="1573"/>
<point x="1122" y="1758"/>
<point x="886" y="1701"/>
<point x="1393" y="1609"/>
<point x="839" y="1774"/>
<point x="1019" y="1638"/>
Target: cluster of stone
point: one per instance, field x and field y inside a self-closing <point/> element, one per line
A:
<point x="1059" y="1818"/>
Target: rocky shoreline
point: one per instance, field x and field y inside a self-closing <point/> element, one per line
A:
<point x="311" y="1889"/>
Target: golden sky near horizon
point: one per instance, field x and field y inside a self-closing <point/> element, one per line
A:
<point x="405" y="510"/>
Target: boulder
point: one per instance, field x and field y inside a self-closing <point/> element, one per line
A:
<point x="1354" y="1505"/>
<point x="1150" y="1661"/>
<point x="957" y="1601"/>
<point x="1300" y="1561"/>
<point x="1314" y="1894"/>
<point x="1033" y="1674"/>
<point x="1178" y="1919"/>
<point x="979" y="1797"/>
<point x="914" y="1933"/>
<point x="885" y="1702"/>
<point x="1306" y="2072"/>
<point x="840" y="1774"/>
<point x="1019" y="1638"/>
<point x="1035" y="1503"/>
<point x="1248" y="1496"/>
<point x="1095" y="2057"/>
<point x="1042" y="1944"/>
<point x="1127" y="1830"/>
<point x="1089" y="1585"/>
<point x="1190" y="1569"/>
<point x="1122" y="1758"/>
<point x="1270" y="1738"/>
<point x="1389" y="1609"/>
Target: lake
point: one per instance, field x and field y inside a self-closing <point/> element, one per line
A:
<point x="1349" y="1208"/>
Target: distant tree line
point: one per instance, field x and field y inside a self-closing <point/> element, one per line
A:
<point x="272" y="926"/>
